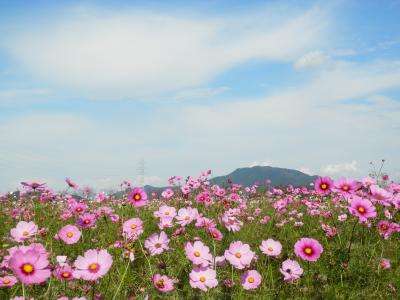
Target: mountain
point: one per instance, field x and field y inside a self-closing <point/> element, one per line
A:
<point x="249" y="176"/>
<point x="278" y="176"/>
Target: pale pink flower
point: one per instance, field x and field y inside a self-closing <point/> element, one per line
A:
<point x="163" y="283"/>
<point x="291" y="270"/>
<point x="203" y="278"/>
<point x="198" y="253"/>
<point x="250" y="280"/>
<point x="239" y="255"/>
<point x="23" y="231"/>
<point x="69" y="234"/>
<point x="93" y="265"/>
<point x="157" y="244"/>
<point x="271" y="247"/>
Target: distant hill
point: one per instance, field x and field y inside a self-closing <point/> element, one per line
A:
<point x="249" y="176"/>
<point x="278" y="176"/>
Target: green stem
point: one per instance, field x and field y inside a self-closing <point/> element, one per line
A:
<point x="148" y="261"/>
<point x="122" y="280"/>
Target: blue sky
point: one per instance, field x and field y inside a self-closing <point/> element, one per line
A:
<point x="89" y="88"/>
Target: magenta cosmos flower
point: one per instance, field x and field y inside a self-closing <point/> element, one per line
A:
<point x="30" y="266"/>
<point x="250" y="280"/>
<point x="138" y="197"/>
<point x="271" y="247"/>
<point x="7" y="281"/>
<point x="203" y="278"/>
<point x="132" y="228"/>
<point x="34" y="185"/>
<point x="23" y="231"/>
<point x="198" y="253"/>
<point x="239" y="254"/>
<point x="308" y="249"/>
<point x="87" y="220"/>
<point x="163" y="283"/>
<point x="291" y="270"/>
<point x="168" y="193"/>
<point x="93" y="265"/>
<point x="157" y="244"/>
<point x="78" y="207"/>
<point x="69" y="234"/>
<point x="362" y="208"/>
<point x="323" y="185"/>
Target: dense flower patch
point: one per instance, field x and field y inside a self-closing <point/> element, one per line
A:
<point x="333" y="240"/>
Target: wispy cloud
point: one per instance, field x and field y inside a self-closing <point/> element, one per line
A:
<point x="137" y="52"/>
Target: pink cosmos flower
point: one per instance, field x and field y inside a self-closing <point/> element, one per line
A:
<point x="30" y="266"/>
<point x="132" y="228"/>
<point x="86" y="220"/>
<point x="384" y="228"/>
<point x="163" y="283"/>
<point x="203" y="278"/>
<point x="37" y="186"/>
<point x="69" y="234"/>
<point x="345" y="186"/>
<point x="186" y="216"/>
<point x="308" y="249"/>
<point x="78" y="207"/>
<point x="71" y="184"/>
<point x="64" y="272"/>
<point x="250" y="280"/>
<point x="323" y="185"/>
<point x="291" y="270"/>
<point x="93" y="265"/>
<point x="380" y="194"/>
<point x="198" y="253"/>
<point x="157" y="244"/>
<point x="8" y="281"/>
<point x="384" y="264"/>
<point x="232" y="223"/>
<point x="165" y="211"/>
<point x="271" y="247"/>
<point x="215" y="234"/>
<point x="368" y="181"/>
<point x="203" y="197"/>
<point x="239" y="255"/>
<point x="138" y="197"/>
<point x="362" y="208"/>
<point x="167" y="194"/>
<point x="23" y="231"/>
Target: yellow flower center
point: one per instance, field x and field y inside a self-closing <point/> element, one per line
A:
<point x="25" y="233"/>
<point x="202" y="279"/>
<point x="196" y="253"/>
<point x="308" y="250"/>
<point x="324" y="186"/>
<point x="158" y="245"/>
<point x="6" y="281"/>
<point x="238" y="255"/>
<point x="66" y="275"/>
<point x="251" y="279"/>
<point x="137" y="197"/>
<point x="93" y="267"/>
<point x="270" y="248"/>
<point x="133" y="226"/>
<point x="345" y="188"/>
<point x="361" y="209"/>
<point x="69" y="234"/>
<point x="27" y="268"/>
<point x="187" y="218"/>
<point x="214" y="235"/>
<point x="79" y="209"/>
<point x="86" y="221"/>
<point x="167" y="213"/>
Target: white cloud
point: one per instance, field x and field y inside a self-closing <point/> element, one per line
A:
<point x="137" y="52"/>
<point x="261" y="163"/>
<point x="306" y="170"/>
<point x="200" y="93"/>
<point x="310" y="60"/>
<point x="341" y="168"/>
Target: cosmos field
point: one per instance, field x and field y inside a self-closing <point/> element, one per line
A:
<point x="330" y="240"/>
